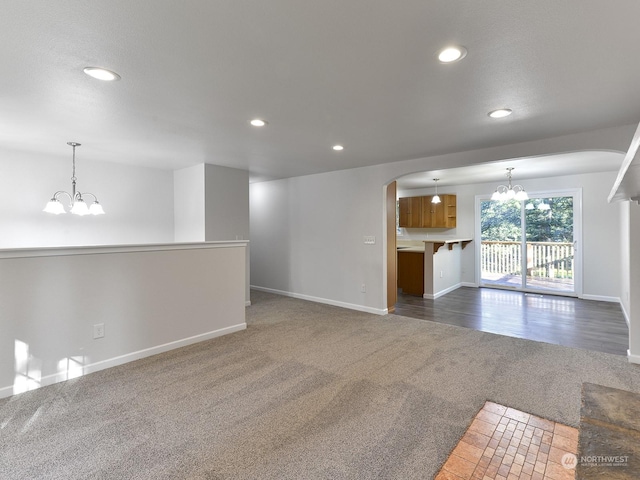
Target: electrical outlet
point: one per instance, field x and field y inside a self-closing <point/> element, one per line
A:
<point x="441" y="274"/>
<point x="363" y="288"/>
<point x="369" y="240"/>
<point x="98" y="330"/>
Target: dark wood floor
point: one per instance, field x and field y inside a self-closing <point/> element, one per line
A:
<point x="568" y="321"/>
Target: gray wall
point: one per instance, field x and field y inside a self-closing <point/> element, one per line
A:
<point x="212" y="204"/>
<point x="226" y="203"/>
<point x="307" y="232"/>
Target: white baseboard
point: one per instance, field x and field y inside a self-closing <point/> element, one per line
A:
<point x="633" y="358"/>
<point x="600" y="298"/>
<point x="327" y="301"/>
<point x="247" y="303"/>
<point x="442" y="292"/>
<point x="469" y="284"/>
<point x="130" y="357"/>
<point x="626" y="314"/>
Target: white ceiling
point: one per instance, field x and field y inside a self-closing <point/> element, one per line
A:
<point x="523" y="168"/>
<point x="362" y="73"/>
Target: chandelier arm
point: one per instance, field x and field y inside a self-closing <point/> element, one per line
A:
<point x="88" y="193"/>
<point x="62" y="192"/>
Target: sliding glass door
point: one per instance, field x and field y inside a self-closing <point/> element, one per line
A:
<point x="530" y="245"/>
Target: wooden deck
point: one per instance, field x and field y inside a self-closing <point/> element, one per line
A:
<point x="560" y="285"/>
<point x="587" y="324"/>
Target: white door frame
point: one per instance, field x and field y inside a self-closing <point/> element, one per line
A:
<point x="577" y="235"/>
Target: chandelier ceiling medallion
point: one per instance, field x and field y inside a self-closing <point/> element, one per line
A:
<point x="77" y="205"/>
<point x="509" y="192"/>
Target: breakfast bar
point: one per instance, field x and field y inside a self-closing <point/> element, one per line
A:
<point x="430" y="268"/>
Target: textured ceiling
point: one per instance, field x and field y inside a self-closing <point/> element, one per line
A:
<point x="363" y="73"/>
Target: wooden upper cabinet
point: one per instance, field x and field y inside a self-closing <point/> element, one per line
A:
<point x="419" y="212"/>
<point x="450" y="207"/>
<point x="410" y="212"/>
<point x="432" y="213"/>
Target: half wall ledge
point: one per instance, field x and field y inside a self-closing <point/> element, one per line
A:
<point x="449" y="242"/>
<point x="70" y="311"/>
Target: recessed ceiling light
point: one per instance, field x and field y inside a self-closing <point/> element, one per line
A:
<point x="452" y="54"/>
<point x="500" y="113"/>
<point x="338" y="148"/>
<point x="101" y="74"/>
<point x="257" y="122"/>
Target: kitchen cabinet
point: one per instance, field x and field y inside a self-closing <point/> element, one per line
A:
<point x="411" y="272"/>
<point x="439" y="215"/>
<point x="419" y="212"/>
<point x="410" y="212"/>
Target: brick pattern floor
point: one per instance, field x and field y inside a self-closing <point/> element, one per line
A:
<point x="506" y="444"/>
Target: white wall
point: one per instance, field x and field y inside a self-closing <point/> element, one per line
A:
<point x="625" y="258"/>
<point x="150" y="300"/>
<point x="307" y="237"/>
<point x="601" y="224"/>
<point x="307" y="232"/>
<point x="633" y="304"/>
<point x="445" y="266"/>
<point x="138" y="202"/>
<point x="189" y="206"/>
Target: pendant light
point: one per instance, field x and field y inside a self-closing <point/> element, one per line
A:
<point x="436" y="197"/>
<point x="76" y="202"/>
<point x="509" y="192"/>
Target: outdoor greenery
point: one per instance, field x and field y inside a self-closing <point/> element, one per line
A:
<point x="500" y="221"/>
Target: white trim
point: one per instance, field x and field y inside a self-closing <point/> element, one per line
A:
<point x="469" y="284"/>
<point x="633" y="358"/>
<point x="439" y="294"/>
<point x="130" y="357"/>
<point x="101" y="249"/>
<point x="601" y="298"/>
<point x="626" y="163"/>
<point x="576" y="193"/>
<point x="626" y="315"/>
<point x="328" y="301"/>
<point x="247" y="303"/>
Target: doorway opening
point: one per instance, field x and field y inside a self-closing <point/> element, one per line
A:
<point x="530" y="245"/>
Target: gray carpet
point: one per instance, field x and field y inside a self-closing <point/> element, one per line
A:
<point x="307" y="391"/>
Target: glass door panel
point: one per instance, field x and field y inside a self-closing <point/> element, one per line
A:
<point x="530" y="245"/>
<point x="501" y="249"/>
<point x="550" y="244"/>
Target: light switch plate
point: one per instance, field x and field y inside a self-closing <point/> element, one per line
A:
<point x="98" y="330"/>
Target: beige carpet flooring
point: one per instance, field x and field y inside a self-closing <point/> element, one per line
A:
<point x="308" y="391"/>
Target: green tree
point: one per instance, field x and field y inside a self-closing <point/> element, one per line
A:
<point x="554" y="224"/>
<point x="500" y="221"/>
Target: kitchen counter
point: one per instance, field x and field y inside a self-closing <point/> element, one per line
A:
<point x="450" y="242"/>
<point x="418" y="249"/>
<point x="420" y="245"/>
<point x="422" y="272"/>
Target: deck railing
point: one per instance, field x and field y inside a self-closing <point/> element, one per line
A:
<point x="544" y="259"/>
